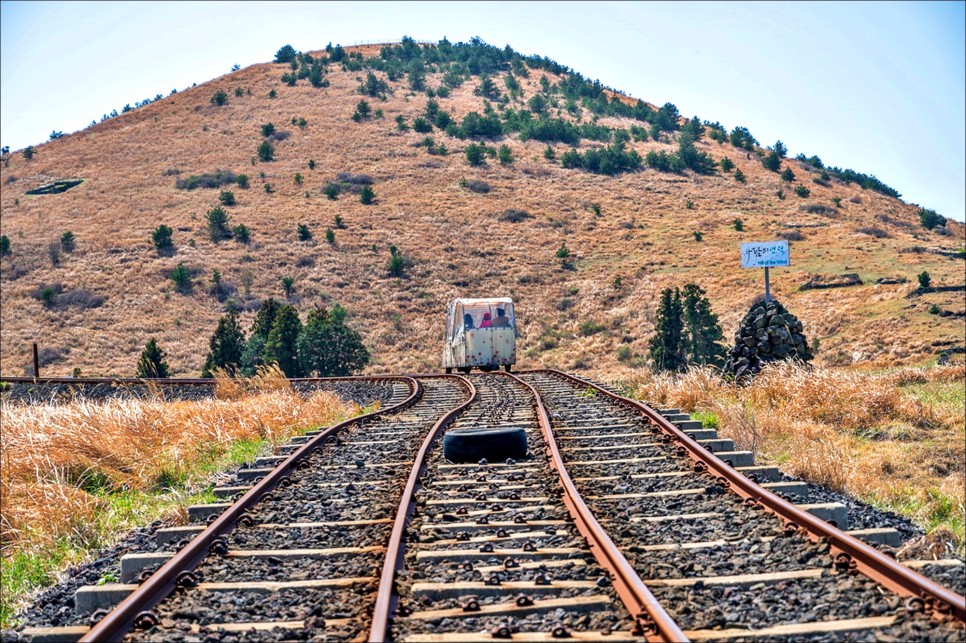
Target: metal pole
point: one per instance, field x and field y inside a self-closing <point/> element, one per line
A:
<point x="36" y="361"/>
<point x="767" y="287"/>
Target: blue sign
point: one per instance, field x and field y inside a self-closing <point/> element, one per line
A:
<point x="769" y="254"/>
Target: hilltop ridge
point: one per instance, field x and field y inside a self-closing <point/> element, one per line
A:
<point x="581" y="167"/>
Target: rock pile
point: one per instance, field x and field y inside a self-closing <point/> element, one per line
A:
<point x="768" y="333"/>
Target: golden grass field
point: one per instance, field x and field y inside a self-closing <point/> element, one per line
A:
<point x="457" y="244"/>
<point x="58" y="457"/>
<point x="75" y="475"/>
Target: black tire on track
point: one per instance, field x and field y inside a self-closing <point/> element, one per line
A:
<point x="472" y="445"/>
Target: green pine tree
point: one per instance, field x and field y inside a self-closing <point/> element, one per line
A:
<point x="264" y="319"/>
<point x="281" y="347"/>
<point x="226" y="346"/>
<point x="252" y="355"/>
<point x="151" y="364"/>
<point x="702" y="337"/>
<point x="667" y="347"/>
<point x="329" y="348"/>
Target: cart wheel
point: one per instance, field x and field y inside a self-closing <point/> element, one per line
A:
<point x="506" y="368"/>
<point x="448" y="370"/>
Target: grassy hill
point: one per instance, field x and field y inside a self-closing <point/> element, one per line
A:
<point x="465" y="230"/>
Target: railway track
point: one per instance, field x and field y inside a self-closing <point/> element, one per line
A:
<point x="617" y="526"/>
<point x="723" y="558"/>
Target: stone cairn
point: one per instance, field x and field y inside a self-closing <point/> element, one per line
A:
<point x="768" y="333"/>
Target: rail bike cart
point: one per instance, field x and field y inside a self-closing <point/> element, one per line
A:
<point x="480" y="333"/>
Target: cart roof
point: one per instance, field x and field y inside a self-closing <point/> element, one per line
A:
<point x="489" y="301"/>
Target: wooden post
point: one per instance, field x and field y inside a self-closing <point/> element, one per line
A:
<point x="36" y="361"/>
<point x="767" y="287"/>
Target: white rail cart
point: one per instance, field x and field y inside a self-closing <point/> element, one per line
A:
<point x="480" y="333"/>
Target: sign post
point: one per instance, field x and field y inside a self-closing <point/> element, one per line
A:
<point x="767" y="254"/>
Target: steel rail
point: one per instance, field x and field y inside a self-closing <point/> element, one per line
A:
<point x="119" y="621"/>
<point x="649" y="615"/>
<point x="868" y="560"/>
<point x="386" y="598"/>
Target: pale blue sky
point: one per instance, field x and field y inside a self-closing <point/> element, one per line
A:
<point x="878" y="87"/>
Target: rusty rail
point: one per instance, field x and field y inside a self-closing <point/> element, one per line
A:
<point x="386" y="598"/>
<point x="117" y="623"/>
<point x="868" y="561"/>
<point x="651" y="618"/>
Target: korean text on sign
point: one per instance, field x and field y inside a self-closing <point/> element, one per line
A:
<point x="765" y="255"/>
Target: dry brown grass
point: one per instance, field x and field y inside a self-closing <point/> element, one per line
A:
<point x="455" y="237"/>
<point x="53" y="455"/>
<point x="895" y="437"/>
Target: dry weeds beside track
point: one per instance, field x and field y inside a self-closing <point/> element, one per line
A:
<point x="617" y="526"/>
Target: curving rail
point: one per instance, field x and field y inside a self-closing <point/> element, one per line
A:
<point x="386" y="598"/>
<point x="177" y="571"/>
<point x="651" y="619"/>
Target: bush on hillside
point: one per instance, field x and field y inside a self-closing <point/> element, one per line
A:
<point x="693" y="159"/>
<point x="374" y="87"/>
<point x="68" y="241"/>
<point x="504" y="155"/>
<point x="663" y="162"/>
<point x="181" y="277"/>
<point x="930" y="219"/>
<point x="741" y="137"/>
<point x="476" y="185"/>
<point x="209" y="180"/>
<point x="487" y="88"/>
<point x="772" y="162"/>
<point x="790" y="235"/>
<point x="285" y="54"/>
<point x="515" y="216"/>
<point x="475" y="154"/>
<point x="397" y="263"/>
<point x="162" y="238"/>
<point x="265" y="151"/>
<point x="475" y="126"/>
<point x="217" y="220"/>
<point x="242" y="233"/>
